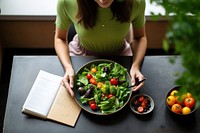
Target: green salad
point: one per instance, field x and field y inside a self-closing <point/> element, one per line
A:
<point x="103" y="87"/>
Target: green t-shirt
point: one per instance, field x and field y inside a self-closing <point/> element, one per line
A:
<point x="108" y="34"/>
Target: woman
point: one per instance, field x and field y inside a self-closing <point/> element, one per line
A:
<point x="102" y="27"/>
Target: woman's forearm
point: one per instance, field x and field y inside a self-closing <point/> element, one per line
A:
<point x="139" y="49"/>
<point x="62" y="51"/>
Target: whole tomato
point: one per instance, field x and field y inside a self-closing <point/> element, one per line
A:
<point x="176" y="108"/>
<point x="91" y="102"/>
<point x="171" y="100"/>
<point x="114" y="81"/>
<point x="189" y="102"/>
<point x="93" y="70"/>
<point x="103" y="95"/>
<point x="110" y="95"/>
<point x="93" y="81"/>
<point x="140" y="109"/>
<point x="141" y="98"/>
<point x="89" y="76"/>
<point x="93" y="106"/>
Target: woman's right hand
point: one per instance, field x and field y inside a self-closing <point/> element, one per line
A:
<point x="68" y="80"/>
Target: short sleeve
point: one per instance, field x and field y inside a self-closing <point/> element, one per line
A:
<point x="139" y="19"/>
<point x="63" y="21"/>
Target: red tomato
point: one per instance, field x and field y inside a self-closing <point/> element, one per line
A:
<point x="113" y="81"/>
<point x="189" y="102"/>
<point x="103" y="95"/>
<point x="135" y="102"/>
<point x="89" y="76"/>
<point x="145" y="101"/>
<point x="141" y="99"/>
<point x="93" y="106"/>
<point x="91" y="102"/>
<point x="93" y="81"/>
<point x="144" y="104"/>
<point x="140" y="109"/>
<point x="110" y="95"/>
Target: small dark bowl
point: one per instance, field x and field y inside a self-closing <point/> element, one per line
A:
<point x="169" y="107"/>
<point x="133" y="99"/>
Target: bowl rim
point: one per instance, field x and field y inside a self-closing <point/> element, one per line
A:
<point x="93" y="112"/>
<point x="151" y="102"/>
<point x="169" y="108"/>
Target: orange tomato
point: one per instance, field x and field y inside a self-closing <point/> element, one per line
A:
<point x="189" y="102"/>
<point x="99" y="84"/>
<point x="170" y="100"/>
<point x="144" y="103"/>
<point x="93" y="70"/>
<point x="177" y="108"/>
<point x="93" y="81"/>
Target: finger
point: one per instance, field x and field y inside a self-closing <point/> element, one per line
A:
<point x="69" y="88"/>
<point x="137" y="87"/>
<point x="141" y="78"/>
<point x="71" y="92"/>
<point x="71" y="81"/>
<point x="133" y="80"/>
<point x="62" y="83"/>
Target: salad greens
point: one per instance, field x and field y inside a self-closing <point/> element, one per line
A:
<point x="103" y="87"/>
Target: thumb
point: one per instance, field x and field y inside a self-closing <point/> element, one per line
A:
<point x="71" y="82"/>
<point x="133" y="80"/>
<point x="69" y="89"/>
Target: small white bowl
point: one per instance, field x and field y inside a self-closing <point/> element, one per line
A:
<point x="134" y="107"/>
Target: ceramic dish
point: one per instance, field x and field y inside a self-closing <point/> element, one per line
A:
<point x="98" y="92"/>
<point x="141" y="104"/>
<point x="179" y="102"/>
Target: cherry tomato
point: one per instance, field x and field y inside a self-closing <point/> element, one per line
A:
<point x="93" y="70"/>
<point x="141" y="99"/>
<point x="135" y="102"/>
<point x="91" y="102"/>
<point x="189" y="102"/>
<point x="89" y="76"/>
<point x="99" y="84"/>
<point x="144" y="104"/>
<point x="114" y="81"/>
<point x="140" y="109"/>
<point x="110" y="95"/>
<point x="93" y="106"/>
<point x="93" y="81"/>
<point x="103" y="95"/>
<point x="145" y="101"/>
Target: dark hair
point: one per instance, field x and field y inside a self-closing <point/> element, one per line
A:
<point x="87" y="11"/>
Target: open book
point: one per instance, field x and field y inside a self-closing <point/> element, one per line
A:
<point x="48" y="99"/>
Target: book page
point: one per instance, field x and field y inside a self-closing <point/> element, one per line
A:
<point x="42" y="94"/>
<point x="64" y="109"/>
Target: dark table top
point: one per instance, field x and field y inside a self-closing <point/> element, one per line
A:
<point x="160" y="76"/>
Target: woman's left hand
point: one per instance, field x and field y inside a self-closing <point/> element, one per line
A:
<point x="136" y="74"/>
